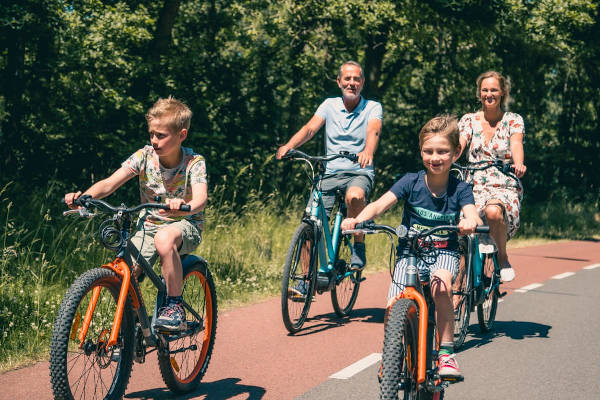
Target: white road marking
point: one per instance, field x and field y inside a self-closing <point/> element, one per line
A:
<point x="358" y="366"/>
<point x="592" y="266"/>
<point x="529" y="287"/>
<point x="563" y="275"/>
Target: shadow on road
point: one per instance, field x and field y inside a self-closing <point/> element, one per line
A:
<point x="323" y="322"/>
<point x="517" y="330"/>
<point x="218" y="390"/>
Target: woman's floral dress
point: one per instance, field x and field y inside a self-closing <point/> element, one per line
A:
<point x="491" y="183"/>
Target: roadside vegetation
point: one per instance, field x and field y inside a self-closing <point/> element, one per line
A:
<point x="43" y="252"/>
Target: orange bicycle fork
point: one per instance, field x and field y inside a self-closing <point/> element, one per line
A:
<point x="413" y="294"/>
<point x="120" y="267"/>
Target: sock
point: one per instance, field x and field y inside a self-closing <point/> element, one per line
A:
<point x="174" y="300"/>
<point x="446" y="348"/>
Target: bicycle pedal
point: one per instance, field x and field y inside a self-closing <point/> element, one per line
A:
<point x="362" y="279"/>
<point x="453" y="379"/>
<point x="503" y="294"/>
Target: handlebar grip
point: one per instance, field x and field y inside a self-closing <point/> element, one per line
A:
<point x="482" y="229"/>
<point x="364" y="224"/>
<point x="185" y="207"/>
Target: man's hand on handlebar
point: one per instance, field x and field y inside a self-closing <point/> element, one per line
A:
<point x="365" y="158"/>
<point x="282" y="151"/>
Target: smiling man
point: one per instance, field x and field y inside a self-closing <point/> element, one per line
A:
<point x="352" y="124"/>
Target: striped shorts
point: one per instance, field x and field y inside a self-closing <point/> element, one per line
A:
<point x="447" y="260"/>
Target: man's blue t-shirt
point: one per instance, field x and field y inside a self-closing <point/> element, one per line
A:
<point x="347" y="131"/>
<point x="423" y="211"/>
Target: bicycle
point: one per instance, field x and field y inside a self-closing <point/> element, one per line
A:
<point x="314" y="244"/>
<point x="411" y="341"/>
<point x="103" y="325"/>
<point x="478" y="282"/>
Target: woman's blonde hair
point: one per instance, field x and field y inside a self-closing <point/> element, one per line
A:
<point x="444" y="125"/>
<point x="176" y="114"/>
<point x="504" y="86"/>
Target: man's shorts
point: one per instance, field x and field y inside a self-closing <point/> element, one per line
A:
<point x="331" y="183"/>
<point x="448" y="260"/>
<point x="143" y="239"/>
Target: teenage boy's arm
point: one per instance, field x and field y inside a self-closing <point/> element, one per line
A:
<point x="302" y="136"/>
<point x="104" y="187"/>
<point x="365" y="157"/>
<point x="373" y="210"/>
<point x="468" y="224"/>
<point x="197" y="204"/>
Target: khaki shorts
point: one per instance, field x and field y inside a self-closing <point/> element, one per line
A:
<point x="143" y="239"/>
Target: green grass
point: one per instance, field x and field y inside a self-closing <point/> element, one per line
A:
<point x="43" y="252"/>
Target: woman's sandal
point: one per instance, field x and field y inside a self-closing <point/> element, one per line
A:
<point x="507" y="273"/>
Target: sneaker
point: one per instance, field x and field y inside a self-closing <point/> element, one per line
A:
<point x="359" y="257"/>
<point x="507" y="273"/>
<point x="448" y="367"/>
<point x="298" y="292"/>
<point x="171" y="318"/>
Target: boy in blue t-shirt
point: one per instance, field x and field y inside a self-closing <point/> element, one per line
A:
<point x="432" y="198"/>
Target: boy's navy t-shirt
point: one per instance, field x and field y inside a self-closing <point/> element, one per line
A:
<point x="423" y="211"/>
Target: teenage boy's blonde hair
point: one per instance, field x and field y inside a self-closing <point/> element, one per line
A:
<point x="175" y="113"/>
<point x="443" y="125"/>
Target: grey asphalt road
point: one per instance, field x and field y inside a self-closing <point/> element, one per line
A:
<point x="545" y="345"/>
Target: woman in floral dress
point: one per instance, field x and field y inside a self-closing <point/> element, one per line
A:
<point x="496" y="134"/>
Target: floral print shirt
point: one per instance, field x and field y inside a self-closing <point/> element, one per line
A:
<point x="156" y="180"/>
<point x="491" y="183"/>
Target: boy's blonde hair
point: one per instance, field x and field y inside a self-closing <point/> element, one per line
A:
<point x="504" y="86"/>
<point x="444" y="125"/>
<point x="175" y="113"/>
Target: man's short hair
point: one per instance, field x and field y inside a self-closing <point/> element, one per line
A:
<point x="175" y="113"/>
<point x="362" y="74"/>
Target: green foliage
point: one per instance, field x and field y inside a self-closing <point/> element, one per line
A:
<point x="77" y="78"/>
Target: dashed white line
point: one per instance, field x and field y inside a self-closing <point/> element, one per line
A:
<point x="529" y="287"/>
<point x="592" y="266"/>
<point x="358" y="366"/>
<point x="563" y="275"/>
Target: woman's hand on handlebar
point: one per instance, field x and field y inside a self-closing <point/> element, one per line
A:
<point x="519" y="170"/>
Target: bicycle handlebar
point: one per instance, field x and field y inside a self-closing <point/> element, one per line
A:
<point x="293" y="153"/>
<point x="506" y="169"/>
<point x="87" y="201"/>
<point x="402" y="232"/>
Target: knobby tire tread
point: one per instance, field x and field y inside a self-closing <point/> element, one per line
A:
<point x="62" y="328"/>
<point x="164" y="360"/>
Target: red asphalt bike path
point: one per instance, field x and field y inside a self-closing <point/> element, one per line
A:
<point x="255" y="358"/>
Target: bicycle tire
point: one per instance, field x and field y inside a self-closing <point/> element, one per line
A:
<point x="486" y="311"/>
<point x="345" y="291"/>
<point x="73" y="364"/>
<point x="184" y="361"/>
<point x="399" y="356"/>
<point x="464" y="284"/>
<point x="294" y="309"/>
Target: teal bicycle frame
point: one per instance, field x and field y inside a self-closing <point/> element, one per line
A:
<point x="328" y="247"/>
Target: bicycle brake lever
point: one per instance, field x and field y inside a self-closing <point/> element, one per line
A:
<point x="83" y="212"/>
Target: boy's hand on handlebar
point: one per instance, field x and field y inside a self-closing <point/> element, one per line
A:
<point x="467" y="226"/>
<point x="174" y="205"/>
<point x="365" y="158"/>
<point x="349" y="223"/>
<point x="519" y="170"/>
<point x="282" y="151"/>
<point x="70" y="200"/>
